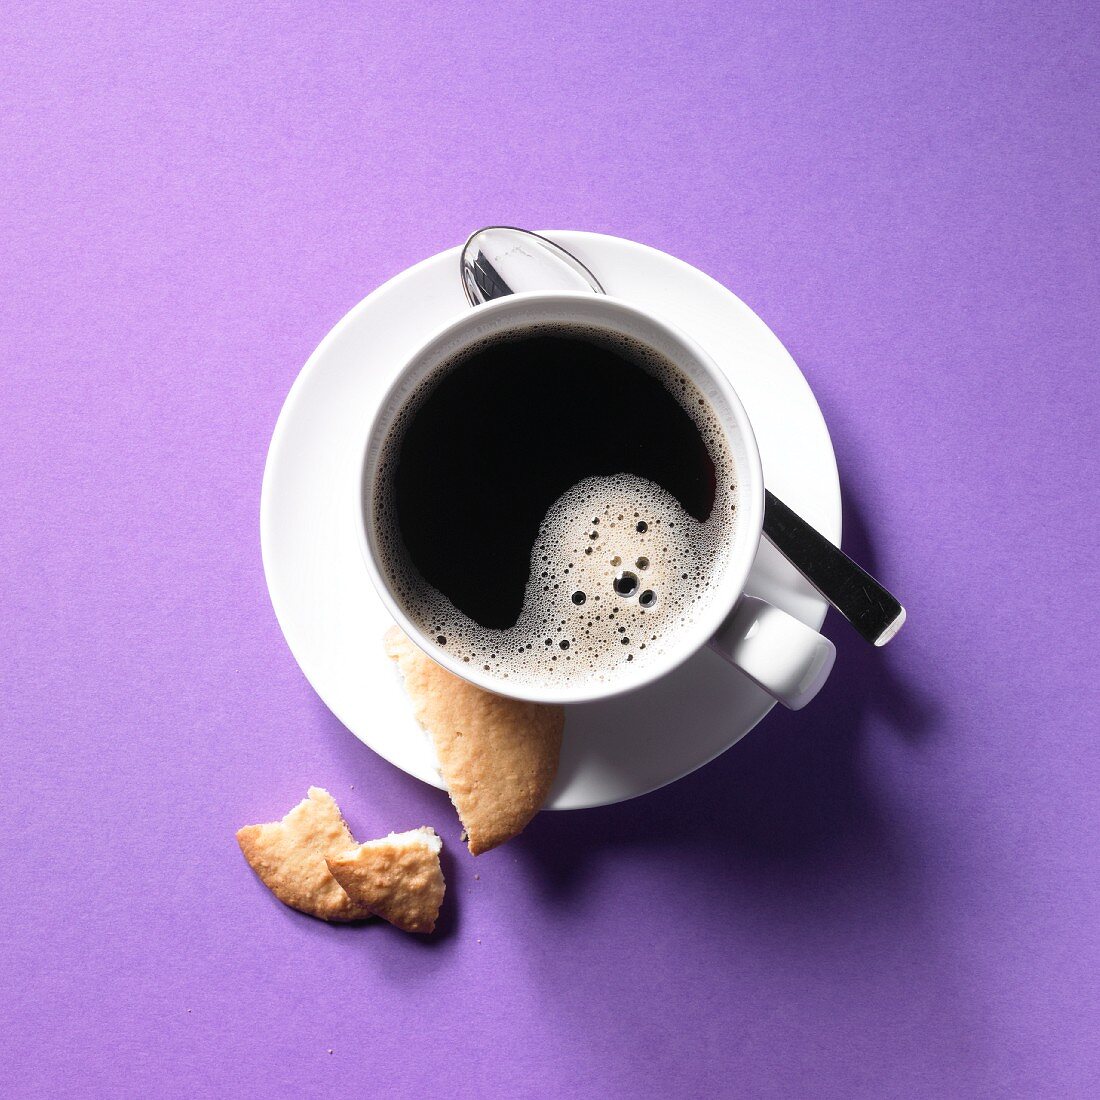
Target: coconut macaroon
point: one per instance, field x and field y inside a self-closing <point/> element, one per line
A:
<point x="397" y="878"/>
<point x="498" y="756"/>
<point x="289" y="856"/>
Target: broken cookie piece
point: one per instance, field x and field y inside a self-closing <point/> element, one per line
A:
<point x="398" y="878"/>
<point x="289" y="856"/>
<point x="498" y="756"/>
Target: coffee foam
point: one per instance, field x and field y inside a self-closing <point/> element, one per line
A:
<point x="603" y="530"/>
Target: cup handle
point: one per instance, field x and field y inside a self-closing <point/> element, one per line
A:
<point x="781" y="654"/>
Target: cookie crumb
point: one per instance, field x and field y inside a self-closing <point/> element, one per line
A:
<point x="482" y="740"/>
<point x="398" y="878"/>
<point x="289" y="857"/>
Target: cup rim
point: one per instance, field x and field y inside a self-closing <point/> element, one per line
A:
<point x="491" y="318"/>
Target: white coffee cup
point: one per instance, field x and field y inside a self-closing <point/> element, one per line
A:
<point x="786" y="658"/>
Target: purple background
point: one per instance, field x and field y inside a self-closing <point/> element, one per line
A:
<point x="893" y="893"/>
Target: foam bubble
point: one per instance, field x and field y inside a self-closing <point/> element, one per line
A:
<point x="560" y="639"/>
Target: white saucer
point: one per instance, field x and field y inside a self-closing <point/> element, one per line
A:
<point x="334" y="622"/>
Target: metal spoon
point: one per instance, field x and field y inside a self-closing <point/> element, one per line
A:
<point x="500" y="260"/>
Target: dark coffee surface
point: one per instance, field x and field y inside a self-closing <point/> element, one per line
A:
<point x="505" y="433"/>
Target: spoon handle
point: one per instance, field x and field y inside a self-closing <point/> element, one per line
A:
<point x="873" y="611"/>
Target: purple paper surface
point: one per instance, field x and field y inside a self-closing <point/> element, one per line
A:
<point x="893" y="893"/>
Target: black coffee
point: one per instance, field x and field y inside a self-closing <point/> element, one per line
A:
<point x="534" y="485"/>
